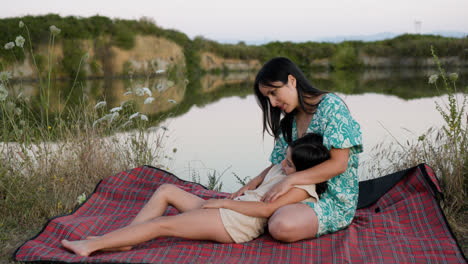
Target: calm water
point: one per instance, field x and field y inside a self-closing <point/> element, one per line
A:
<point x="215" y="124"/>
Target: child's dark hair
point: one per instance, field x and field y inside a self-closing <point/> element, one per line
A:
<point x="307" y="152"/>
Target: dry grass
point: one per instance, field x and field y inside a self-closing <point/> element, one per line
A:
<point x="38" y="182"/>
<point x="448" y="158"/>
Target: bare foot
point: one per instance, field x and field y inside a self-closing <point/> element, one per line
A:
<point x="127" y="248"/>
<point x="79" y="247"/>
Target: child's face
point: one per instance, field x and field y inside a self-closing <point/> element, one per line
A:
<point x="288" y="165"/>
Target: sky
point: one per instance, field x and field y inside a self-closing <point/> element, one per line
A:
<point x="266" y="20"/>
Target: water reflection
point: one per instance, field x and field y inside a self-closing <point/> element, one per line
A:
<point x="405" y="84"/>
<point x="227" y="135"/>
<point x="215" y="122"/>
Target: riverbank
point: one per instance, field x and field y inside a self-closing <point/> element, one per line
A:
<point x="114" y="47"/>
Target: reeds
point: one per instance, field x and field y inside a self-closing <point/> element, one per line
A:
<point x="50" y="163"/>
<point x="444" y="148"/>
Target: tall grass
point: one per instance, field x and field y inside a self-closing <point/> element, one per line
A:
<point x="444" y="148"/>
<point x="50" y="163"/>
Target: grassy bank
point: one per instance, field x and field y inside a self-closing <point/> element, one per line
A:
<point x="402" y="51"/>
<point x="444" y="148"/>
<point x="50" y="163"/>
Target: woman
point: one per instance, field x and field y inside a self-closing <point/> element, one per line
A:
<point x="291" y="108"/>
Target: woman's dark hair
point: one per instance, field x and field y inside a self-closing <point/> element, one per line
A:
<point x="307" y="152"/>
<point x="278" y="69"/>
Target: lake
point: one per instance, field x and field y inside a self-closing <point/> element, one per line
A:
<point x="215" y="123"/>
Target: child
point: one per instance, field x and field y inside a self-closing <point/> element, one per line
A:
<point x="220" y="220"/>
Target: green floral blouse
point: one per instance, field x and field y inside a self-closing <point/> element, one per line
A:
<point x="336" y="207"/>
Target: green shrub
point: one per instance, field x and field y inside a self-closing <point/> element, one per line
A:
<point x="72" y="59"/>
<point x="346" y="58"/>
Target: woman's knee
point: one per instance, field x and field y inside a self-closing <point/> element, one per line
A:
<point x="281" y="228"/>
<point x="292" y="223"/>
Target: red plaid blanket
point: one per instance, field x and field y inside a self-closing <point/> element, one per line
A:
<point x="400" y="222"/>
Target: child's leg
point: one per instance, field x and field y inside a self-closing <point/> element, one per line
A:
<point x="203" y="224"/>
<point x="165" y="195"/>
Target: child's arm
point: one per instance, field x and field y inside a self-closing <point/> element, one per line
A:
<point x="258" y="209"/>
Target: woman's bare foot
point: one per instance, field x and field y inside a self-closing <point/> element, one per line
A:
<point x="79" y="247"/>
<point x="127" y="248"/>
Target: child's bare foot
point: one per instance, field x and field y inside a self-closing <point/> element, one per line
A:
<point x="79" y="247"/>
<point x="127" y="248"/>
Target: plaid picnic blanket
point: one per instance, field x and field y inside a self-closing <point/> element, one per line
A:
<point x="399" y="221"/>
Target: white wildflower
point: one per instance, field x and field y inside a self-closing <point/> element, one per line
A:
<point x="22" y="123"/>
<point x="172" y="101"/>
<point x="144" y="117"/>
<point x="433" y="78"/>
<point x="143" y="91"/>
<point x="18" y="111"/>
<point x="116" y="109"/>
<point x="139" y="92"/>
<point x="453" y="76"/>
<point x="160" y="71"/>
<point x="147" y="91"/>
<point x="9" y="45"/>
<point x="149" y="100"/>
<point x="100" y="105"/>
<point x="170" y="83"/>
<point x="3" y="93"/>
<point x="5" y="75"/>
<point x="134" y="115"/>
<point x="54" y="30"/>
<point x="128" y="123"/>
<point x="81" y="198"/>
<point x="21" y="24"/>
<point x="114" y="116"/>
<point x="19" y="41"/>
<point x="128" y="93"/>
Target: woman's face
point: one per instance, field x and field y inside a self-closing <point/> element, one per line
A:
<point x="288" y="165"/>
<point x="284" y="97"/>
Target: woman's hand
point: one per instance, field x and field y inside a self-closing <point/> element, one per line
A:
<point x="213" y="204"/>
<point x="276" y="191"/>
<point x="242" y="190"/>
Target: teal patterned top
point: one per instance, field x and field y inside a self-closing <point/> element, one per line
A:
<point x="336" y="207"/>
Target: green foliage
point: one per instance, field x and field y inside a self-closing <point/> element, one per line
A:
<point x="73" y="56"/>
<point x="123" y="35"/>
<point x="416" y="46"/>
<point x="456" y="133"/>
<point x="443" y="148"/>
<point x="346" y="58"/>
<point x="127" y="69"/>
<point x="241" y="181"/>
<point x="41" y="63"/>
<point x="95" y="67"/>
<point x="214" y="181"/>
